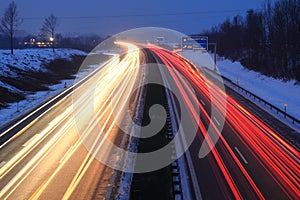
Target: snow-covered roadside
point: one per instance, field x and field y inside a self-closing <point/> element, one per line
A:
<point x="272" y="90"/>
<point x="32" y="100"/>
<point x="29" y="60"/>
<point x="33" y="59"/>
<point x="124" y="188"/>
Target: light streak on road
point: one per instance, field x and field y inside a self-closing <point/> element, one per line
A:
<point x="278" y="158"/>
<point x="70" y="142"/>
<point x="61" y="153"/>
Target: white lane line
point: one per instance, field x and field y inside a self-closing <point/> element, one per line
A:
<point x="30" y="140"/>
<point x="2" y="163"/>
<point x="241" y="155"/>
<point x="66" y="154"/>
<point x="202" y="102"/>
<point x="216" y="121"/>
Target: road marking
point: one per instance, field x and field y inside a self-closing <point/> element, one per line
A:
<point x="241" y="155"/>
<point x="202" y="102"/>
<point x="216" y="121"/>
<point x="2" y="163"/>
<point x="30" y="140"/>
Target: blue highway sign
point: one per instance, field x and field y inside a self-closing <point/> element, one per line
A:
<point x="194" y="43"/>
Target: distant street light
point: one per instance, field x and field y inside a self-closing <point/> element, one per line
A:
<point x="52" y="42"/>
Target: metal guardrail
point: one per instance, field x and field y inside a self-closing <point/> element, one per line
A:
<point x="272" y="107"/>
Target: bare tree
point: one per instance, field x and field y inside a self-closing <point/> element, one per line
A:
<point x="10" y="22"/>
<point x="49" y="28"/>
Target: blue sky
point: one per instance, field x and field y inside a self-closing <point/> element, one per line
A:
<point x="113" y="16"/>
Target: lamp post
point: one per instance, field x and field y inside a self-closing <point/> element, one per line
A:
<point x="285" y="105"/>
<point x="52" y="42"/>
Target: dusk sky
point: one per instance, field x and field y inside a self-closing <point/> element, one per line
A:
<point x="114" y="16"/>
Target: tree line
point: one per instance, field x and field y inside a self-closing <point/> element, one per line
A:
<point x="266" y="40"/>
<point x="81" y="42"/>
<point x="11" y="20"/>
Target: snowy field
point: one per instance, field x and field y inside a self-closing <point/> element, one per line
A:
<point x="272" y="90"/>
<point x="33" y="59"/>
<point x="30" y="60"/>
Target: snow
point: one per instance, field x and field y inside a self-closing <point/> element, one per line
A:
<point x="36" y="57"/>
<point x="30" y="60"/>
<point x="10" y="87"/>
<point x="32" y="100"/>
<point x="33" y="59"/>
<point x="123" y="192"/>
<point x="275" y="91"/>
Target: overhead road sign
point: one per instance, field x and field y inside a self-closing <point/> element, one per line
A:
<point x="194" y="43"/>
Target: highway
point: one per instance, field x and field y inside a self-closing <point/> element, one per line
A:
<point x="250" y="160"/>
<point x="54" y="155"/>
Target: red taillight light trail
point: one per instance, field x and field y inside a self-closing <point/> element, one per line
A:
<point x="216" y="154"/>
<point x="278" y="157"/>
